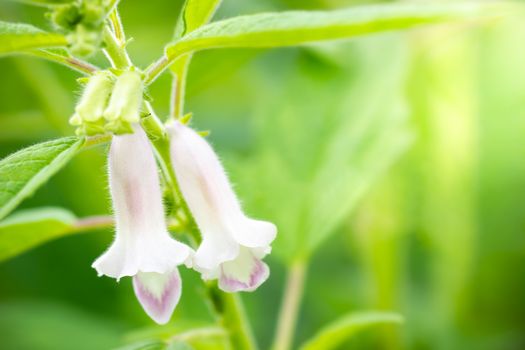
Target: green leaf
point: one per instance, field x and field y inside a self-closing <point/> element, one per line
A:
<point x="45" y="2"/>
<point x="323" y="141"/>
<point x="297" y="27"/>
<point x="25" y="127"/>
<point x="194" y="14"/>
<point x="337" y="332"/>
<point x="15" y="37"/>
<point x="45" y="325"/>
<point x="29" y="228"/>
<point x="26" y="170"/>
<point x="179" y="345"/>
<point x="145" y="345"/>
<point x="195" y="335"/>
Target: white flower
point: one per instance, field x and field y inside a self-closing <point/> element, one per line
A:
<point x="143" y="248"/>
<point x="233" y="244"/>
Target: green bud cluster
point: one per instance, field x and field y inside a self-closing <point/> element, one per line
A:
<point x="83" y="21"/>
<point x="109" y="103"/>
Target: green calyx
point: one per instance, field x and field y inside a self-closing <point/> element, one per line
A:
<point x="109" y="103"/>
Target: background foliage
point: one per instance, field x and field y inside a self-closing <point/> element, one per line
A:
<point x="393" y="161"/>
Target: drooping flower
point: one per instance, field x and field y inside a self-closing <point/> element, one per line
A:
<point x="233" y="244"/>
<point x="142" y="247"/>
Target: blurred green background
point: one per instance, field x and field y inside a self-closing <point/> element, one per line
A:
<point x="393" y="163"/>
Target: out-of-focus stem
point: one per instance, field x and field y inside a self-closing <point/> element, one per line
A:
<point x="71" y="62"/>
<point x="93" y="222"/>
<point x="290" y="306"/>
<point x="237" y="323"/>
<point x="228" y="311"/>
<point x="118" y="28"/>
<point x="180" y="72"/>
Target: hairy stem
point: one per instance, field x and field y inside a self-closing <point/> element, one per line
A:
<point x="290" y="306"/>
<point x="161" y="146"/>
<point x="115" y="51"/>
<point x="155" y="69"/>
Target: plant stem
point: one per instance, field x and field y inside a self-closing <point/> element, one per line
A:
<point x="155" y="69"/>
<point x="117" y="26"/>
<point x="180" y="72"/>
<point x="93" y="222"/>
<point x="113" y="4"/>
<point x="290" y="306"/>
<point x="161" y="146"/>
<point x="235" y="320"/>
<point x="93" y="141"/>
<point x="115" y="51"/>
<point x="71" y="62"/>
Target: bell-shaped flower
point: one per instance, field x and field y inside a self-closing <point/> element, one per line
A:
<point x="232" y="243"/>
<point x="143" y="247"/>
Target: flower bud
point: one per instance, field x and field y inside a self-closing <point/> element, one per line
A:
<point x="94" y="99"/>
<point x="125" y="101"/>
<point x="84" y="41"/>
<point x="66" y="16"/>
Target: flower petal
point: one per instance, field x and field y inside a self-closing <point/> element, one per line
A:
<point x="245" y="273"/>
<point x="145" y="253"/>
<point x="142" y="242"/>
<point x="214" y="250"/>
<point x="212" y="201"/>
<point x="158" y="293"/>
<point x="253" y="233"/>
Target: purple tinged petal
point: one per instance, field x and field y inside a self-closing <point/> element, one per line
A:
<point x="246" y="273"/>
<point x="158" y="293"/>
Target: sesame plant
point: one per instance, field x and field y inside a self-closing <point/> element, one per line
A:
<point x="173" y="205"/>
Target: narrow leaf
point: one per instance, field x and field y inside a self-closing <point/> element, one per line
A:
<point x="29" y="228"/>
<point x="297" y="27"/>
<point x="15" y="37"/>
<point x="337" y="332"/>
<point x="311" y="175"/>
<point x="26" y="170"/>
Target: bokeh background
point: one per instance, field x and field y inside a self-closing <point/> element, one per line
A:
<point x="393" y="164"/>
